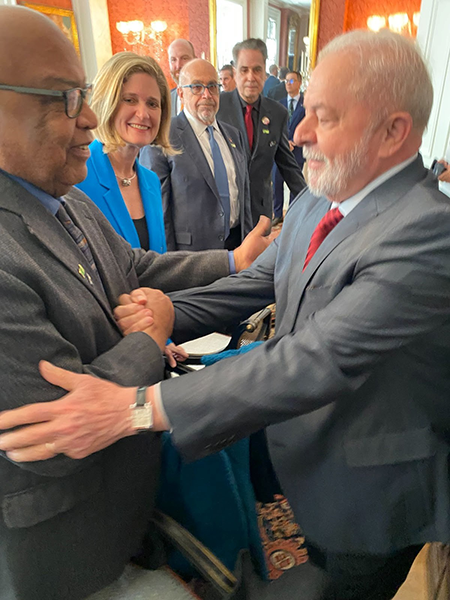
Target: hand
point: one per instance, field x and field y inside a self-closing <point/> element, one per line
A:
<point x="175" y="353"/>
<point x="445" y="175"/>
<point x="146" y="310"/>
<point x="291" y="145"/>
<point x="94" y="415"/>
<point x="254" y="244"/>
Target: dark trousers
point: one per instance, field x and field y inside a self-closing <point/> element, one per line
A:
<point x="364" y="576"/>
<point x="234" y="239"/>
<point x="278" y="192"/>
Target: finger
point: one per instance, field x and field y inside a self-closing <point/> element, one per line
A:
<point x="263" y="226"/>
<point x="128" y="326"/>
<point x="31" y="454"/>
<point x="141" y="325"/>
<point x="125" y="299"/>
<point x="139" y="296"/>
<point x="26" y="415"/>
<point x="121" y="312"/>
<point x="31" y="435"/>
<point x="64" y="379"/>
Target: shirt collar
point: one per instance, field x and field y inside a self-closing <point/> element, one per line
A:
<point x="50" y="202"/>
<point x="255" y="104"/>
<point x="197" y="125"/>
<point x="348" y="205"/>
<point x="295" y="98"/>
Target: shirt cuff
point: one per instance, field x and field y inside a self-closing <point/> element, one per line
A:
<point x="159" y="406"/>
<point x="232" y="263"/>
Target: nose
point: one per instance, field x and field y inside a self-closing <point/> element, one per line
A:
<point x="86" y="119"/>
<point x="305" y="132"/>
<point x="206" y="93"/>
<point x="141" y="110"/>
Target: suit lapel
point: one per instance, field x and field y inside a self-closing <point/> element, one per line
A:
<point x="51" y="234"/>
<point x="239" y="118"/>
<point x="192" y="145"/>
<point x="370" y="207"/>
<point x="264" y="125"/>
<point x="117" y="211"/>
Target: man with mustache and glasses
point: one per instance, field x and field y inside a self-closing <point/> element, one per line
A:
<point x="354" y="386"/>
<point x="205" y="187"/>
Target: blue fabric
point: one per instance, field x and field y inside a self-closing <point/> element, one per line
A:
<point x="213" y="498"/>
<point x="102" y="188"/>
<point x="221" y="177"/>
<point x="210" y="359"/>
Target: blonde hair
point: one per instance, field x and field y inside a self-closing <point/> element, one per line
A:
<point x="107" y="94"/>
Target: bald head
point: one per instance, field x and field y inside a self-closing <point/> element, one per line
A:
<point x="180" y="52"/>
<point x="204" y="105"/>
<point x="40" y="41"/>
<point x="38" y="141"/>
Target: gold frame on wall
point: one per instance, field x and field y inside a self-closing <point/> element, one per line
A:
<point x="59" y="12"/>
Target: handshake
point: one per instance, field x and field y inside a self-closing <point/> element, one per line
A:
<point x="151" y="312"/>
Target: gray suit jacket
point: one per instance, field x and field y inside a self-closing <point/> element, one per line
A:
<point x="270" y="144"/>
<point x="194" y="217"/>
<point x="173" y="102"/>
<point x="356" y="382"/>
<point x="68" y="527"/>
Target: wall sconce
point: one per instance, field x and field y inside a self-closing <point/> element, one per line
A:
<point x="416" y="18"/>
<point x="142" y="37"/>
<point x="398" y="22"/>
<point x="375" y="22"/>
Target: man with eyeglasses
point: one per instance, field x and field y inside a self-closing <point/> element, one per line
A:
<point x="294" y="104"/>
<point x="205" y="186"/>
<point x="68" y="528"/>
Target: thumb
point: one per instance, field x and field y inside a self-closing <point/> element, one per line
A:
<point x="138" y="296"/>
<point x="57" y="376"/>
<point x="263" y="226"/>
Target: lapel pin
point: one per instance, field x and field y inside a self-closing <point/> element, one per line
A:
<point x="90" y="279"/>
<point x="265" y="120"/>
<point x="232" y="144"/>
<point x="82" y="271"/>
<point x="265" y="131"/>
<point x="272" y="143"/>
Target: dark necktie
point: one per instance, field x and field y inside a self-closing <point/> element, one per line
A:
<point x="291" y="107"/>
<point x="78" y="236"/>
<point x="221" y="177"/>
<point x="325" y="225"/>
<point x="249" y="124"/>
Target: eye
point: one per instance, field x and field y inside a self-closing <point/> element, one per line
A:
<point x="129" y="100"/>
<point x="197" y="89"/>
<point x="153" y="104"/>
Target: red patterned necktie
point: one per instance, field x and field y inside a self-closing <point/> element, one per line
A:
<point x="325" y="225"/>
<point x="249" y="124"/>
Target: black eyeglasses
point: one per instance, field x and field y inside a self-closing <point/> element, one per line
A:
<point x="198" y="89"/>
<point x="73" y="98"/>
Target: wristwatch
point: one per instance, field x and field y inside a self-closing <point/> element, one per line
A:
<point x="141" y="411"/>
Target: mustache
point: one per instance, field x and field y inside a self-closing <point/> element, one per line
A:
<point x="310" y="154"/>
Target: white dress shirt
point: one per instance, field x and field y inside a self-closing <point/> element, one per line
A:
<point x="203" y="139"/>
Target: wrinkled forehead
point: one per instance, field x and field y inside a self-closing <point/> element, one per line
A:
<point x="201" y="73"/>
<point x="41" y="62"/>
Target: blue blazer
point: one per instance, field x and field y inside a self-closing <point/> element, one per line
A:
<point x="297" y="116"/>
<point x="102" y="187"/>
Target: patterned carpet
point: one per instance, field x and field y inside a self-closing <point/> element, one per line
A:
<point x="281" y="537"/>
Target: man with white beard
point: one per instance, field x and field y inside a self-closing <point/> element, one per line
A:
<point x="354" y="386"/>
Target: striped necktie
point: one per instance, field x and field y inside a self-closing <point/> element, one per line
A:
<point x="78" y="237"/>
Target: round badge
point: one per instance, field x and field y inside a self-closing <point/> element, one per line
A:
<point x="282" y="560"/>
<point x="265" y="120"/>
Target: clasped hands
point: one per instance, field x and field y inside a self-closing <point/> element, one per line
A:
<point x="151" y="312"/>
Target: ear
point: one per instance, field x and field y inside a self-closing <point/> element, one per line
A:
<point x="180" y="92"/>
<point x="395" y="132"/>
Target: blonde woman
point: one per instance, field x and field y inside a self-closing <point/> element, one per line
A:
<point x="131" y="99"/>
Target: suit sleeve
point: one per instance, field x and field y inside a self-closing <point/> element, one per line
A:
<point x="154" y="159"/>
<point x="397" y="296"/>
<point x="286" y="162"/>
